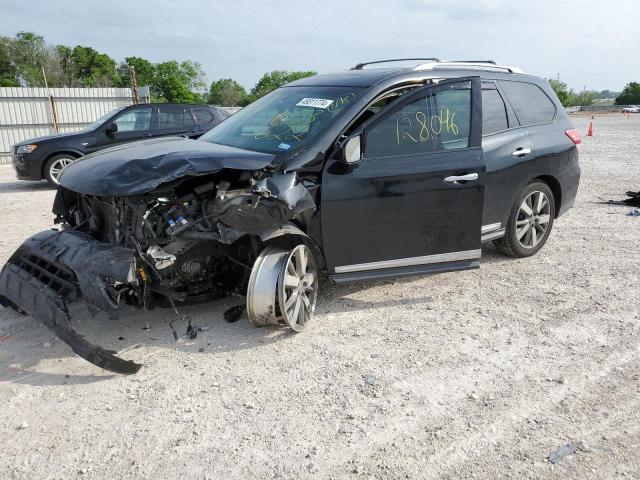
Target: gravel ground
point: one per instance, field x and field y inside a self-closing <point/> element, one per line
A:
<point x="479" y="374"/>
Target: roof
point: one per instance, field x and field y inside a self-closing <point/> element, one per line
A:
<point x="351" y="78"/>
<point x="367" y="77"/>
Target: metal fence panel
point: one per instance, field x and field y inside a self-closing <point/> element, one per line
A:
<point x="26" y="112"/>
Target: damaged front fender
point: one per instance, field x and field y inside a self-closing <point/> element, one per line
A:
<point x="49" y="271"/>
<point x="271" y="203"/>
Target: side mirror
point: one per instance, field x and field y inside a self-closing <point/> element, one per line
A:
<point x="352" y="151"/>
<point x="111" y="129"/>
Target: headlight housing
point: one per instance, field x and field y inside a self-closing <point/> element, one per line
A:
<point x="26" y="148"/>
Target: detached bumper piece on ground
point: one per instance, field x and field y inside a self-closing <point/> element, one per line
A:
<point x="51" y="269"/>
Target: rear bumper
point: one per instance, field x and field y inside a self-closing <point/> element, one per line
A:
<point x="51" y="269"/>
<point x="569" y="181"/>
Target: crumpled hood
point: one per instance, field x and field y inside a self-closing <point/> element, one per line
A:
<point x="139" y="167"/>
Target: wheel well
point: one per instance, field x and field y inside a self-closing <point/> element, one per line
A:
<point x="554" y="185"/>
<point x="44" y="164"/>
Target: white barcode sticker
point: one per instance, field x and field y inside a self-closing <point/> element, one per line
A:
<point x="314" y="103"/>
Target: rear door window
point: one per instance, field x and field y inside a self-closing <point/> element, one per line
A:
<point x="174" y="117"/>
<point x="531" y="105"/>
<point x="494" y="111"/>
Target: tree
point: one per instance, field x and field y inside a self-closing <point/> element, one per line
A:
<point x="630" y="94"/>
<point x="562" y="91"/>
<point x="272" y="80"/>
<point x="585" y="97"/>
<point x="227" y="93"/>
<point x="178" y="82"/>
<point x="27" y="54"/>
<point x="145" y="71"/>
<point x="8" y="72"/>
<point x="92" y="68"/>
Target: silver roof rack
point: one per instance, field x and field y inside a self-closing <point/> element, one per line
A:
<point x="361" y="66"/>
<point x="468" y="64"/>
<point x="435" y="63"/>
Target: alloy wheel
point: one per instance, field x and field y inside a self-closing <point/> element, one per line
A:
<point x="298" y="288"/>
<point x="56" y="168"/>
<point x="533" y="219"/>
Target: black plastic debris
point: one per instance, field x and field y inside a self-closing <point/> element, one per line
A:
<point x="562" y="452"/>
<point x="234" y="313"/>
<point x="632" y="201"/>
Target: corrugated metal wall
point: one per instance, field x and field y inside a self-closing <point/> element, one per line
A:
<point x="27" y="112"/>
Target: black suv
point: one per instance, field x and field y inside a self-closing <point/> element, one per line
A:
<point x="363" y="174"/>
<point x="46" y="157"/>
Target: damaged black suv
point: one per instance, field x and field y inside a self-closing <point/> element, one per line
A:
<point x="362" y="174"/>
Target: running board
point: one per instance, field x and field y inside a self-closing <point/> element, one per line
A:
<point x="365" y="275"/>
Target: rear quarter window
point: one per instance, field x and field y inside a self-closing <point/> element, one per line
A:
<point x="531" y="105"/>
<point x="203" y="115"/>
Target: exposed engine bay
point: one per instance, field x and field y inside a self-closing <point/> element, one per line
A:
<point x="190" y="240"/>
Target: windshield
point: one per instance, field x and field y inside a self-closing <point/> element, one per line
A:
<point x="286" y="119"/>
<point x="101" y="120"/>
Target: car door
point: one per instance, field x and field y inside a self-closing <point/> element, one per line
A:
<point x="132" y="124"/>
<point x="175" y="120"/>
<point x="413" y="203"/>
<point x="505" y="145"/>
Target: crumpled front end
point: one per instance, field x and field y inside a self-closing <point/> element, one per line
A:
<point x="51" y="269"/>
<point x="191" y="240"/>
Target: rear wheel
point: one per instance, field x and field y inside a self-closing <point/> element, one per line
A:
<point x="530" y="222"/>
<point x="55" y="165"/>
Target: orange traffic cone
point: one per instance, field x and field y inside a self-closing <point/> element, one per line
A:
<point x="590" y="132"/>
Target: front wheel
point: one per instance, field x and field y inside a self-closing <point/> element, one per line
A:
<point x="529" y="223"/>
<point x="283" y="288"/>
<point x="54" y="167"/>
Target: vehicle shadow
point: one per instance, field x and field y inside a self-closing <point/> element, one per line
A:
<point x="25" y="186"/>
<point x="23" y="354"/>
<point x="22" y="339"/>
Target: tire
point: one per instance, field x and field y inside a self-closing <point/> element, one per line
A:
<point x="54" y="166"/>
<point x="283" y="288"/>
<point x="530" y="221"/>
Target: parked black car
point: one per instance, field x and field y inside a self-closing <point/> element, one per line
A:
<point x="46" y="157"/>
<point x="363" y="174"/>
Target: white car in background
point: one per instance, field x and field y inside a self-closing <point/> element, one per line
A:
<point x="631" y="109"/>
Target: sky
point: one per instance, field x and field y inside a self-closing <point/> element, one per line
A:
<point x="592" y="44"/>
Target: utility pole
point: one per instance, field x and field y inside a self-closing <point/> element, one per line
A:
<point x="134" y="83"/>
<point x="52" y="104"/>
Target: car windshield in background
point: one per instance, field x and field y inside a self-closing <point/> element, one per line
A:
<point x="284" y="120"/>
<point x="102" y="119"/>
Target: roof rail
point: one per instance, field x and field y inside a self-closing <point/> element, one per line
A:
<point x="473" y="61"/>
<point x="360" y="66"/>
<point x="485" y="65"/>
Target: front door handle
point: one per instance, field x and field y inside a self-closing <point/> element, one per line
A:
<point x="461" y="178"/>
<point x="521" y="152"/>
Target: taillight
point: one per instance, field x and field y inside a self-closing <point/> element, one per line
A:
<point x="574" y="135"/>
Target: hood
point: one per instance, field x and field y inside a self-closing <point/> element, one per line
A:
<point x="139" y="167"/>
<point x="46" y="138"/>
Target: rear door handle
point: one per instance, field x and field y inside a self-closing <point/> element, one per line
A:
<point x="461" y="178"/>
<point x="521" y="152"/>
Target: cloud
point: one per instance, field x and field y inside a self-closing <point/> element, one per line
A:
<point x="588" y="42"/>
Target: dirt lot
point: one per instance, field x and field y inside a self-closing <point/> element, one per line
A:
<point x="479" y="374"/>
